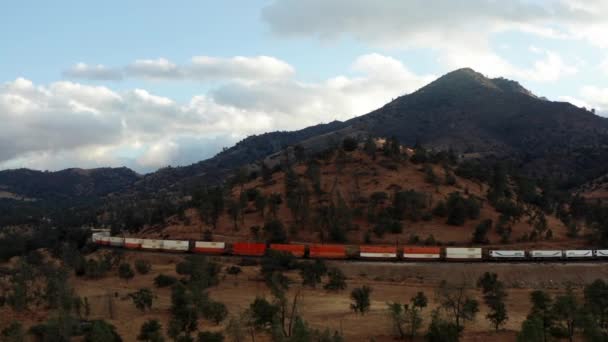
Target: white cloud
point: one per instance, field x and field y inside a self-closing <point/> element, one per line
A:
<point x="93" y="72"/>
<point x="200" y="68"/>
<point x="153" y="68"/>
<point x="460" y="31"/>
<point x="66" y="124"/>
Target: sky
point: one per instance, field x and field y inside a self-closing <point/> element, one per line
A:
<point x="148" y="84"/>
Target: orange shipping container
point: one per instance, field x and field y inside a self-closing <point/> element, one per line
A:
<point x="296" y="250"/>
<point x="328" y="251"/>
<point x="247" y="248"/>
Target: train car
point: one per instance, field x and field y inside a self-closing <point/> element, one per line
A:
<point x="116" y="241"/>
<point x="296" y="250"/>
<point x="176" y="245"/>
<point x="206" y="247"/>
<point x="579" y="254"/>
<point x="378" y="252"/>
<point x="152" y="244"/>
<point x="133" y="243"/>
<point x="248" y="249"/>
<point x="546" y="254"/>
<point x="104" y="240"/>
<point x="458" y="253"/>
<point x="421" y="253"/>
<point x="601" y="253"/>
<point x="327" y="251"/>
<point x="507" y="254"/>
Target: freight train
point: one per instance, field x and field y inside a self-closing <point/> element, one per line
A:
<point x="364" y="252"/>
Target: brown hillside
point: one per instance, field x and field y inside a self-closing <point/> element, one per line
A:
<point x="354" y="177"/>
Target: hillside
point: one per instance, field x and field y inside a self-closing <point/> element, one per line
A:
<point x="64" y="185"/>
<point x="361" y="198"/>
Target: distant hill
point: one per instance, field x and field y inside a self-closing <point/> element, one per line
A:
<point x="66" y="184"/>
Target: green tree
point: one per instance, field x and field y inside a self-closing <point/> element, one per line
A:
<point x="441" y="330"/>
<point x="532" y="330"/>
<point x="263" y="313"/>
<point x="311" y="272"/>
<point x="336" y="280"/>
<point x="406" y="318"/>
<point x="596" y="300"/>
<point x="151" y="331"/>
<point x="142" y="266"/>
<point x="102" y="331"/>
<point x="125" y="271"/>
<point x="209" y="336"/>
<point x="567" y="313"/>
<point x="184" y="315"/>
<point x="480" y="235"/>
<point x="541" y="311"/>
<point x="361" y="299"/>
<point x="13" y="333"/>
<point x="494" y="295"/>
<point x="455" y="299"/>
<point x="260" y="203"/>
<point x="142" y="299"/>
<point x="275" y="232"/>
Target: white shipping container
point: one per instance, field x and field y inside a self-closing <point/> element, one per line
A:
<point x="601" y="253"/>
<point x="379" y="255"/>
<point x="508" y="254"/>
<point x="117" y="241"/>
<point x="151" y="244"/>
<point x="208" y="244"/>
<point x="133" y="242"/>
<point x="579" y="253"/>
<point x="462" y="253"/>
<point x="96" y="237"/>
<point x="546" y="254"/>
<point x="176" y="245"/>
<point x="421" y="256"/>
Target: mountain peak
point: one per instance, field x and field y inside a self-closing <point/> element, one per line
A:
<point x="466" y="80"/>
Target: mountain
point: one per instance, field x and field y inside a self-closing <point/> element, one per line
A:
<point x="479" y="116"/>
<point x="62" y="185"/>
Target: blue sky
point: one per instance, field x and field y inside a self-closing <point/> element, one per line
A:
<point x="147" y="84"/>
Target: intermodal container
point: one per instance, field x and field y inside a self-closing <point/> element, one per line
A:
<point x="579" y="253"/>
<point x="247" y="248"/>
<point x="455" y="253"/>
<point x="176" y="245"/>
<point x="104" y="240"/>
<point x="116" y="241"/>
<point x="133" y="243"/>
<point x="502" y="254"/>
<point x="601" y="253"/>
<point x="378" y="252"/>
<point x="328" y="251"/>
<point x="151" y="244"/>
<point x="546" y="254"/>
<point x="295" y="250"/>
<point x="421" y="253"/>
<point x="207" y="247"/>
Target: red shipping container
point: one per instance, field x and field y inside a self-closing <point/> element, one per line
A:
<point x="296" y="250"/>
<point x="247" y="248"/>
<point x="328" y="251"/>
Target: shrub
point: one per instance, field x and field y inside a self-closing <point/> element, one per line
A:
<point x="164" y="280"/>
<point x="142" y="266"/>
<point x="349" y="144"/>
